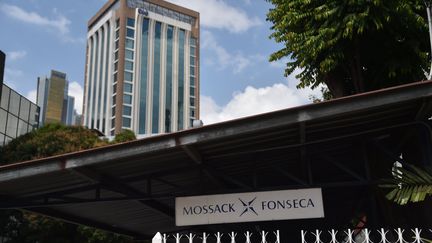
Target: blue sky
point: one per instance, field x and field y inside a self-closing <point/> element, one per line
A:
<point x="236" y="78"/>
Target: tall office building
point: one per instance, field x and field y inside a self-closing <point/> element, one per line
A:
<point x="142" y="68"/>
<point x="18" y="115"/>
<point x="53" y="99"/>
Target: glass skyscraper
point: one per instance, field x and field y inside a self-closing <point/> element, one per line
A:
<point x="52" y="98"/>
<point x="18" y="115"/>
<point x="142" y="68"/>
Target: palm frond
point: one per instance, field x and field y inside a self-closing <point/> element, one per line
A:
<point x="409" y="184"/>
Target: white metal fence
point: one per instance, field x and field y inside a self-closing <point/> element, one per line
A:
<point x="232" y="237"/>
<point x="365" y="235"/>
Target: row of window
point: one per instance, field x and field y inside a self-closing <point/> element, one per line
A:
<point x="128" y="74"/>
<point x="192" y="80"/>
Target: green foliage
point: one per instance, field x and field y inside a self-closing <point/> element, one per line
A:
<point x="409" y="184"/>
<point x="124" y="136"/>
<point x="52" y="139"/>
<point x="351" y="46"/>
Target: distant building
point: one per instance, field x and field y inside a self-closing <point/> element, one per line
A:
<point x="142" y="68"/>
<point x="18" y="115"/>
<point x="53" y="99"/>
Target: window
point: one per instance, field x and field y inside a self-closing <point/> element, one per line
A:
<point x="127" y="87"/>
<point x="126" y="122"/>
<point x="115" y="66"/>
<point x="113" y="111"/>
<point x="192" y="91"/>
<point x="3" y="117"/>
<point x="192" y="61"/>
<point x="113" y="123"/>
<point x="115" y="77"/>
<point x="192" y="101"/>
<point x="24" y="109"/>
<point x="116" y="55"/>
<point x="127" y="110"/>
<point x="116" y="45"/>
<point x="129" y="65"/>
<point x="114" y="100"/>
<point x="117" y="24"/>
<point x="129" y="44"/>
<point x="5" y="98"/>
<point x="130" y="33"/>
<point x="12" y="126"/>
<point x="127" y="99"/>
<point x="130" y="22"/>
<point x="114" y="88"/>
<point x="192" y="51"/>
<point x="129" y="54"/>
<point x="117" y="34"/>
<point x="128" y="76"/>
<point x="192" y="81"/>
<point x="192" y="70"/>
<point x="14" y="103"/>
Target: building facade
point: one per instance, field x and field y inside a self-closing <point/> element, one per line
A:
<point x="142" y="68"/>
<point x="18" y="115"/>
<point x="52" y="98"/>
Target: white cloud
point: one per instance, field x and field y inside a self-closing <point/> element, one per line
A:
<point x="31" y="95"/>
<point x="237" y="61"/>
<point x="59" y="24"/>
<point x="15" y="55"/>
<point x="77" y="91"/>
<point x="252" y="101"/>
<point x="218" y="14"/>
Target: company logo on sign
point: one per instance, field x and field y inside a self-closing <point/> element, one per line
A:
<point x="246" y="207"/>
<point x="143" y="11"/>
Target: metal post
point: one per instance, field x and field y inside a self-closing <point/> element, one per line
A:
<point x="429" y="15"/>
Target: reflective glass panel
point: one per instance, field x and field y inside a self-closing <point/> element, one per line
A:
<point x="130" y="22"/>
<point x="127" y="110"/>
<point x="127" y="87"/>
<point x="128" y="76"/>
<point x="127" y="99"/>
<point x="130" y="33"/>
<point x="129" y="44"/>
<point x="129" y="54"/>
<point x="128" y="65"/>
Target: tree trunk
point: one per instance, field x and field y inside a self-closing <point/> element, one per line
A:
<point x="335" y="85"/>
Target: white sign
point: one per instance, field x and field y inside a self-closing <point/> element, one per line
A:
<point x="247" y="207"/>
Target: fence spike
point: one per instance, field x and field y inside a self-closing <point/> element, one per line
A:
<point x="277" y="236"/>
<point x="383" y="234"/>
<point x="178" y="237"/>
<point x="303" y="236"/>
<point x="218" y="237"/>
<point x="417" y="235"/>
<point x="399" y="232"/>
<point x="233" y="236"/>
<point x="248" y="236"/>
<point x="204" y="237"/>
<point x="333" y="234"/>
<point x="367" y="236"/>
<point x="317" y="236"/>
<point x="164" y="238"/>
<point x="263" y="236"/>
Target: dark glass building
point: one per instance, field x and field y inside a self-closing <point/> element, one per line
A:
<point x="18" y="115"/>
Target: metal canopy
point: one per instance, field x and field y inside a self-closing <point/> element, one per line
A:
<point x="339" y="145"/>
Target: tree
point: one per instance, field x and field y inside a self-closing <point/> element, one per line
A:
<point x="52" y="139"/>
<point x="124" y="136"/>
<point x="351" y="46"/>
<point x="409" y="184"/>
